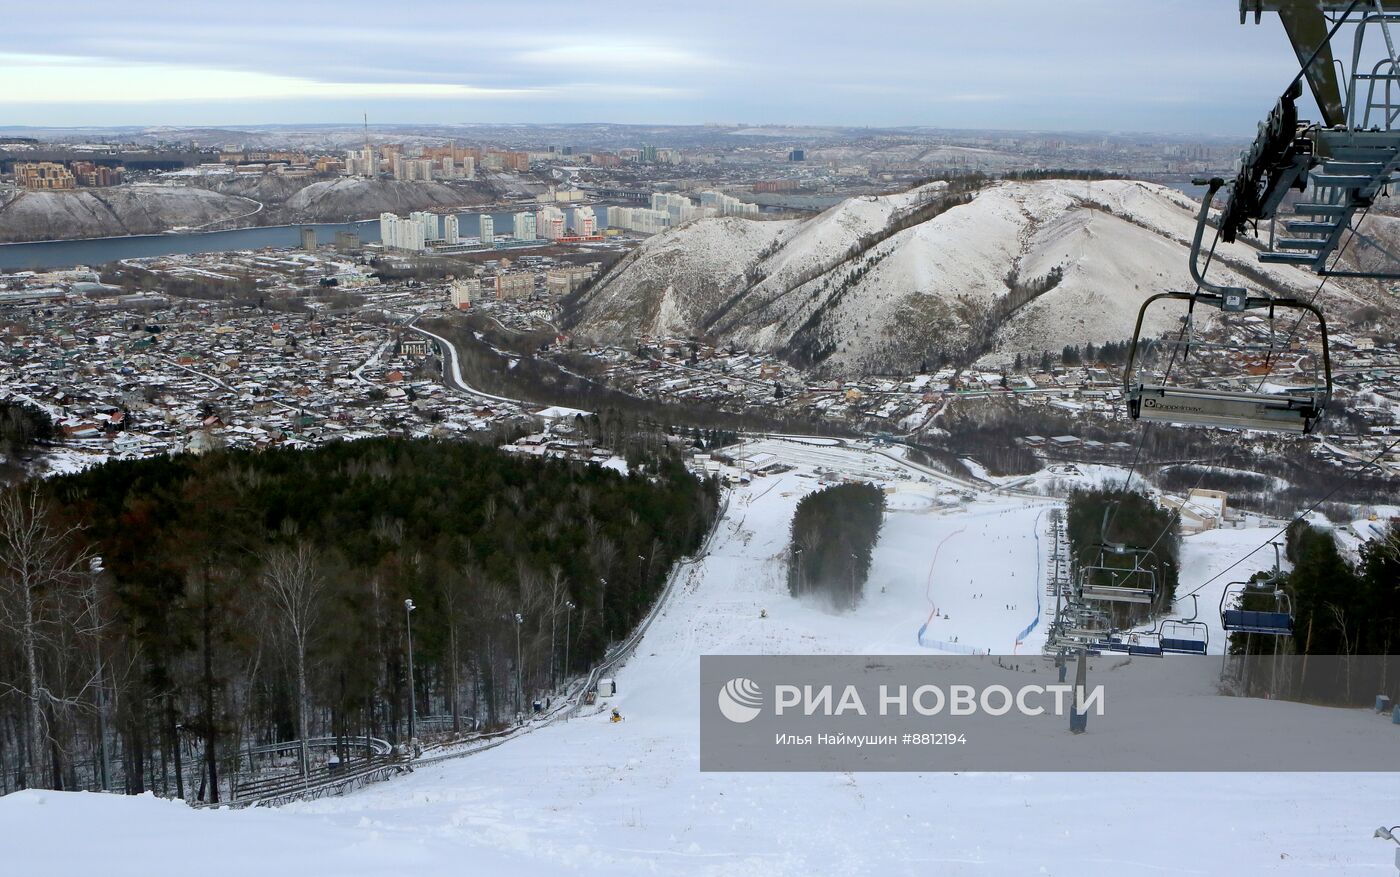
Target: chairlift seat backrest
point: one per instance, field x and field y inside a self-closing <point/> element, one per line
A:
<point x="1250" y="621"/>
<point x="1183" y="646"/>
<point x="1277" y="412"/>
<point x="1188" y="637"/>
<point x="1110" y="594"/>
<point x="1115" y="585"/>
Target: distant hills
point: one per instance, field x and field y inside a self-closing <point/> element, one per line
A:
<point x="151" y="209"/>
<point x="119" y="210"/>
<point x="895" y="283"/>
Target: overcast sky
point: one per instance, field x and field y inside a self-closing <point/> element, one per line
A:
<point x="1184" y="66"/>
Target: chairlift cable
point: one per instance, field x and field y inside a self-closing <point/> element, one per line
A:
<point x="1300" y="516"/>
<point x="1239" y="434"/>
<point x="1269" y="362"/>
<point x="1142" y="436"/>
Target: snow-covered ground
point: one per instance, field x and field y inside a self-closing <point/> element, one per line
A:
<point x="1207" y="555"/>
<point x="766" y="284"/>
<point x="1059" y="479"/>
<point x="593" y="797"/>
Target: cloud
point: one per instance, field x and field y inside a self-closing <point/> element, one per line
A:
<point x="1089" y="64"/>
<point x="601" y="90"/>
<point x="969" y="98"/>
<point x="607" y="55"/>
<point x="51" y="79"/>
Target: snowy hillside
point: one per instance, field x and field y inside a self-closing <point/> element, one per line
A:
<point x="340" y="198"/>
<point x="592" y="797"/>
<point x="83" y="213"/>
<point x="852" y="292"/>
<point x="675" y="280"/>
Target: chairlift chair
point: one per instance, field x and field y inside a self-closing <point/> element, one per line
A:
<point x="1234" y="618"/>
<point x="1145" y="644"/>
<point x="1106" y="582"/>
<point x="1297" y="410"/>
<point x="1083" y="622"/>
<point x="1184" y="636"/>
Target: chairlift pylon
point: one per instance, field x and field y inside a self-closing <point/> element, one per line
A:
<point x="1341" y="163"/>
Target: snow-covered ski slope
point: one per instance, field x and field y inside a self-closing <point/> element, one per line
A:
<point x="592" y="797"/>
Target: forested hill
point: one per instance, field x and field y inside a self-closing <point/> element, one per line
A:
<point x="206" y="559"/>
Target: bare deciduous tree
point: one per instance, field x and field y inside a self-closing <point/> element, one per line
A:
<point x="1340" y="618"/>
<point x="39" y="565"/>
<point x="294" y="584"/>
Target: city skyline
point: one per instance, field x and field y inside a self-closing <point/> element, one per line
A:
<point x="1010" y="64"/>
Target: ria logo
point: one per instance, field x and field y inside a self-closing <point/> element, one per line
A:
<point x="741" y="700"/>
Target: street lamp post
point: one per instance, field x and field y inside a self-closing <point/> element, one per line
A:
<point x="408" y="608"/>
<point x="568" y="625"/>
<point x="519" y="687"/>
<point x="95" y="568"/>
<point x="1389" y="834"/>
<point x="602" y="607"/>
<point x="853" y="578"/>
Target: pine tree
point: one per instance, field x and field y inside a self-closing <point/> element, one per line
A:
<point x="192" y="547"/>
<point x="834" y="532"/>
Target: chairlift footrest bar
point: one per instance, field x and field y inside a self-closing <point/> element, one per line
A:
<point x="1289" y="258"/>
<point x="1346" y="181"/>
<point x="1115" y="595"/>
<point x="1304" y="226"/>
<point x="1321" y="209"/>
<point x="1357" y="168"/>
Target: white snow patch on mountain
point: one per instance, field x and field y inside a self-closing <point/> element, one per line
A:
<point x="829" y="290"/>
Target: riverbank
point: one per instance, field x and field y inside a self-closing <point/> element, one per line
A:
<point x="58" y="254"/>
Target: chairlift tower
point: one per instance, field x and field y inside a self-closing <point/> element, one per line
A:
<point x="1338" y="165"/>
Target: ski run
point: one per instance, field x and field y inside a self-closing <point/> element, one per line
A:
<point x="590" y="796"/>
